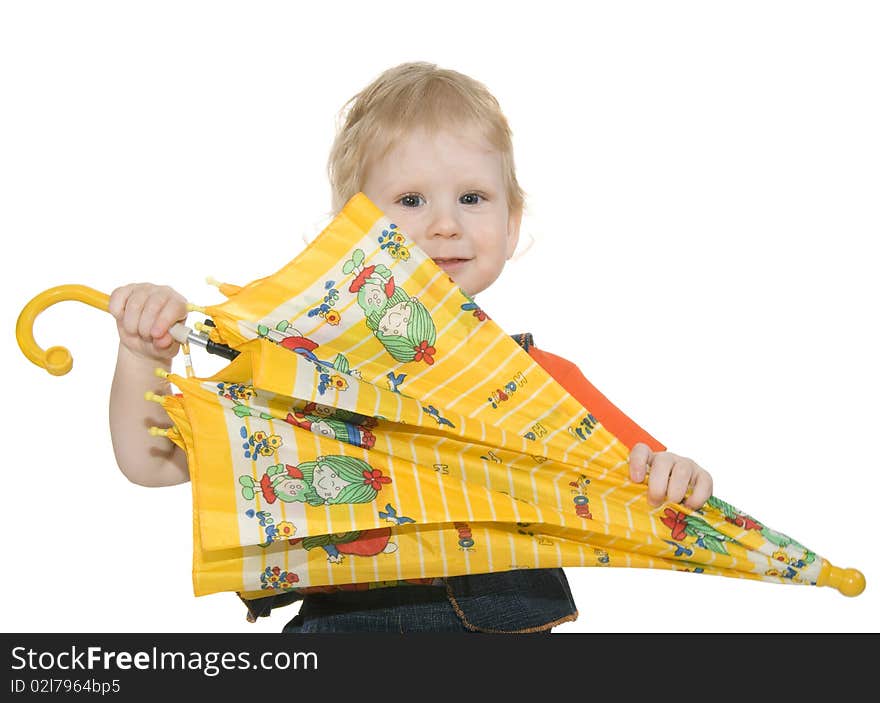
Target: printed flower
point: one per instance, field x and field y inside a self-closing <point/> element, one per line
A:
<point x="403" y="254"/>
<point x="259" y="436"/>
<point x="290" y="578"/>
<point x="338" y="382"/>
<point x="375" y="479"/>
<point x="398" y="238"/>
<point x="333" y="317"/>
<point x="676" y="521"/>
<point x="274" y="577"/>
<point x="780" y="555"/>
<point x="285" y="530"/>
<point x="368" y="439"/>
<point x="266" y="450"/>
<point x="274" y="441"/>
<point x="426" y="352"/>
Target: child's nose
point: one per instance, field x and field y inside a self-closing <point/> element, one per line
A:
<point x="444" y="224"/>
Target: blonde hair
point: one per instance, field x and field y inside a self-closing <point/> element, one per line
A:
<point x="406" y="97"/>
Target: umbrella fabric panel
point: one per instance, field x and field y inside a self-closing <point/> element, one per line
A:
<point x="495" y="493"/>
<point x="317" y="483"/>
<point x="378" y="558"/>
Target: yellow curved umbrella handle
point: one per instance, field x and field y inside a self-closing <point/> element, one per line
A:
<point x="57" y="360"/>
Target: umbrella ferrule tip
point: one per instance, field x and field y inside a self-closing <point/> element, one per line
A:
<point x="850" y="582"/>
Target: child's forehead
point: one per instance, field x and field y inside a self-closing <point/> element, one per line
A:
<point x="400" y="137"/>
<point x="418" y="151"/>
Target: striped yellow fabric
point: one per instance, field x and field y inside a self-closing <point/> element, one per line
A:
<point x="377" y="426"/>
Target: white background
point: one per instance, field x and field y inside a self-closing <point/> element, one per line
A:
<point x="703" y="197"/>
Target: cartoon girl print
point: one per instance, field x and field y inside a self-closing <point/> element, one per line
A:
<point x="401" y="323"/>
<point x="286" y="336"/>
<point x="329" y="480"/>
<point x="290" y="338"/>
<point x="335" y="423"/>
<point x="362" y="543"/>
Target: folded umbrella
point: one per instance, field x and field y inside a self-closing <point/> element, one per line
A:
<point x="398" y="493"/>
<point x="376" y="425"/>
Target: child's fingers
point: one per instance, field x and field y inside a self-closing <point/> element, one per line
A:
<point x="680" y="477"/>
<point x="134" y="306"/>
<point x="151" y="325"/>
<point x="163" y="342"/>
<point x="639" y="457"/>
<point x="154" y="300"/>
<point x="658" y="479"/>
<point x="701" y="491"/>
<point x="118" y="298"/>
<point x="173" y="310"/>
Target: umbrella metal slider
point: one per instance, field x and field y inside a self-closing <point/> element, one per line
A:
<point x="202" y="340"/>
<point x="57" y="360"/>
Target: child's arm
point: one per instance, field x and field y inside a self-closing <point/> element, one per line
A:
<point x="144" y="313"/>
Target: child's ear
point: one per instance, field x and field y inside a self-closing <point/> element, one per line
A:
<point x="514" y="221"/>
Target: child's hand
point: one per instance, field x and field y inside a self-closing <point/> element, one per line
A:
<point x="144" y="313"/>
<point x="670" y="477"/>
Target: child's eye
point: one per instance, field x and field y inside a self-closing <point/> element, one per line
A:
<point x="407" y="200"/>
<point x="471" y="198"/>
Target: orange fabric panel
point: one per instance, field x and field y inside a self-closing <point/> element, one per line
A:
<point x="570" y="377"/>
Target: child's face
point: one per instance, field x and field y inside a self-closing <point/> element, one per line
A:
<point x="446" y="192"/>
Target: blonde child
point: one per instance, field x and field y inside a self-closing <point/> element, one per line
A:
<point x="432" y="149"/>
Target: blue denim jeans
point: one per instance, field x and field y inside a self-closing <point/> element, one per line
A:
<point x="394" y="609"/>
<point x="478" y="603"/>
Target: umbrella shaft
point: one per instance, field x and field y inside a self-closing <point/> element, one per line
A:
<point x="211" y="347"/>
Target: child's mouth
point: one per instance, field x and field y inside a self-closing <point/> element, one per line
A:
<point x="449" y="265"/>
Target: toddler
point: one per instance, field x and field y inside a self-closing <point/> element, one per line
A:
<point x="432" y="149"/>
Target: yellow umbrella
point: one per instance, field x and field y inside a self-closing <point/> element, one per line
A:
<point x="408" y="436"/>
<point x="417" y="499"/>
